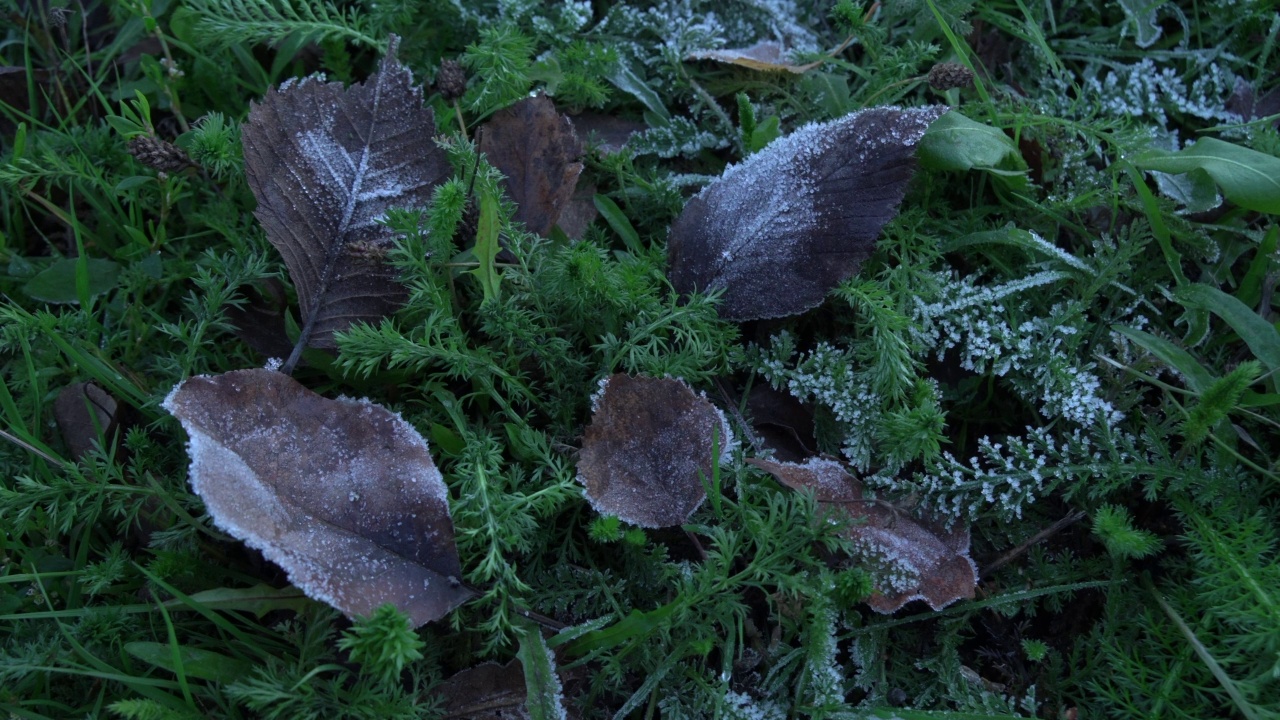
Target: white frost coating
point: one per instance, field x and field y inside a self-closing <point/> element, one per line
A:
<point x="431" y="481"/>
<point x="273" y="364"/>
<point x="601" y="388"/>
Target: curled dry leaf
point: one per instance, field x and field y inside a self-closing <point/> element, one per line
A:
<point x="918" y="559"/>
<point x="326" y="163"/>
<point x="340" y="493"/>
<point x="488" y="691"/>
<point x="778" y="231"/>
<point x="766" y="55"/>
<point x="538" y="151"/>
<point x="648" y="448"/>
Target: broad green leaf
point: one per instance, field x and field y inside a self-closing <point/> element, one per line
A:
<point x="1198" y="378"/>
<point x="1260" y="335"/>
<point x="1142" y="20"/>
<point x="1250" y="290"/>
<point x="486" y="249"/>
<point x="546" y="698"/>
<point x="1195" y="190"/>
<point x="196" y="663"/>
<point x="259" y="599"/>
<point x="1247" y="177"/>
<point x="57" y="283"/>
<point x="625" y="79"/>
<point x="954" y="142"/>
<point x="764" y="133"/>
<point x="617" y="220"/>
<point x="635" y="625"/>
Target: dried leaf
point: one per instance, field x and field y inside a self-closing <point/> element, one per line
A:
<point x="84" y="413"/>
<point x="918" y="559"/>
<point x="340" y="493"/>
<point x="782" y="422"/>
<point x="538" y="151"/>
<point x="260" y="321"/>
<point x="606" y="133"/>
<point x="647" y="449"/>
<point x="326" y="163"/>
<point x="766" y="55"/>
<point x="776" y="232"/>
<point x="488" y="691"/>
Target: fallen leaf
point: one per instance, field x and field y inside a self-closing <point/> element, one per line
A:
<point x="782" y="422"/>
<point x="326" y="163"/>
<point x="260" y="320"/>
<point x="766" y="55"/>
<point x="488" y="691"/>
<point x="342" y="494"/>
<point x="605" y="133"/>
<point x="538" y="151"/>
<point x="84" y="413"/>
<point x="779" y="230"/>
<point x="648" y="448"/>
<point x="917" y="559"/>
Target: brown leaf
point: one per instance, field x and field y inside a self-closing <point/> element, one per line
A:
<point x="84" y="413"/>
<point x="776" y="232"/>
<point x="260" y="321"/>
<point x="539" y="152"/>
<point x="647" y="449"/>
<point x="340" y="493"/>
<point x="766" y="55"/>
<point x="606" y="133"/>
<point x="488" y="691"/>
<point x="917" y="559"/>
<point x="326" y="163"/>
<point x="782" y="422"/>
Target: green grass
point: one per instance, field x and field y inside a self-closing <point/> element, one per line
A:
<point x="1050" y="326"/>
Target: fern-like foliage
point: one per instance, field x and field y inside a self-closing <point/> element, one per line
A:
<point x="225" y="22"/>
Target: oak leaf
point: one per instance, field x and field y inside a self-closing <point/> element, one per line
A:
<point x="342" y="494"/>
<point x="779" y="230"/>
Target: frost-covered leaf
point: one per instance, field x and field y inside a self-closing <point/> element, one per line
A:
<point x="776" y="232"/>
<point x="1142" y="20"/>
<point x="545" y="696"/>
<point x="538" y="151"/>
<point x="916" y="559"/>
<point x="766" y="55"/>
<point x="326" y="163"/>
<point x="648" y="448"/>
<point x="340" y="493"/>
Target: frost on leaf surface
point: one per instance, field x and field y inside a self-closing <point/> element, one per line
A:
<point x="326" y="163"/>
<point x="648" y="441"/>
<point x="911" y="558"/>
<point x="779" y="230"/>
<point x="342" y="494"/>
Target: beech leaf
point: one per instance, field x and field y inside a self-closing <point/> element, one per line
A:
<point x="342" y="494"/>
<point x="648" y="449"/>
<point x="538" y="151"/>
<point x="916" y="559"/>
<point x="326" y="163"/>
<point x="779" y="230"/>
